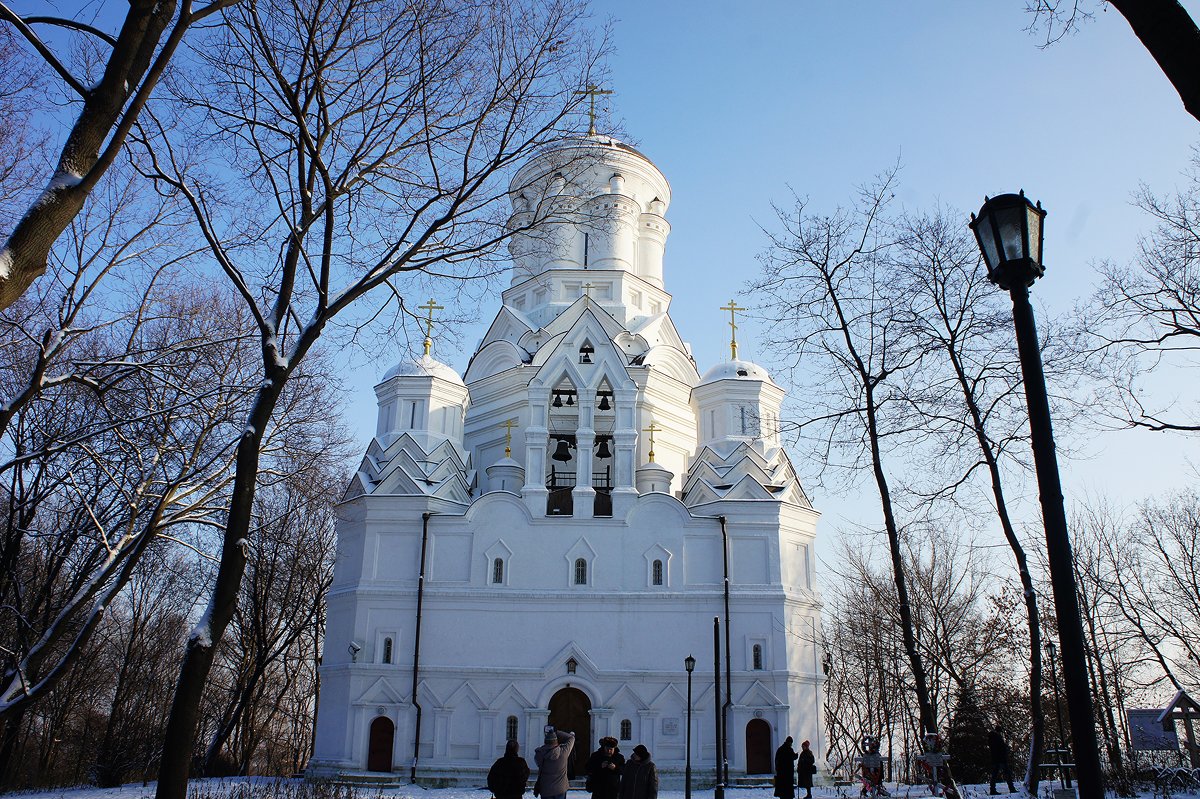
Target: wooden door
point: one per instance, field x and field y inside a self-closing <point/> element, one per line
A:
<point x="758" y="747"/>
<point x="570" y="711"/>
<point x="379" y="745"/>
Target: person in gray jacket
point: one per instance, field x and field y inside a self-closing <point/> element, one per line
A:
<point x="552" y="759"/>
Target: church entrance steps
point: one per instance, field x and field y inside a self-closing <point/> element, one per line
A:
<point x="370" y="780"/>
<point x="751" y="781"/>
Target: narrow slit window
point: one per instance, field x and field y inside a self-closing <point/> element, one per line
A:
<point x="498" y="571"/>
<point x="581" y="572"/>
<point x="757" y="654"/>
<point x="657" y="572"/>
<point x="510" y="728"/>
<point x="626" y="730"/>
<point x="387" y="650"/>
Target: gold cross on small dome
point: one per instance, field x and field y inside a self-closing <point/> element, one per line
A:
<point x="652" y="429"/>
<point x="733" y="308"/>
<point x="508" y="428"/>
<point x="431" y="306"/>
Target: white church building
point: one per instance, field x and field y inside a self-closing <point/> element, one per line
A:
<point x="545" y="539"/>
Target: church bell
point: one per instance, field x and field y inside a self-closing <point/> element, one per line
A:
<point x="603" y="452"/>
<point x="563" y="451"/>
<point x="604" y="405"/>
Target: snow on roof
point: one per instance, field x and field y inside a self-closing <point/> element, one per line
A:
<point x="736" y="370"/>
<point x="424" y="366"/>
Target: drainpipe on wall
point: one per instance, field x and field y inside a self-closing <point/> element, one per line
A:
<point x="728" y="678"/>
<point x="417" y="645"/>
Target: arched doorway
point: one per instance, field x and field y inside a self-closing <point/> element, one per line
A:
<point x="570" y="711"/>
<point x="758" y="747"/>
<point x="379" y="745"/>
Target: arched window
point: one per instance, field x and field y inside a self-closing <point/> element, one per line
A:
<point x="580" y="572"/>
<point x="657" y="572"/>
<point x="626" y="730"/>
<point x="757" y="657"/>
<point x="498" y="571"/>
<point x="387" y="650"/>
<point x="510" y="728"/>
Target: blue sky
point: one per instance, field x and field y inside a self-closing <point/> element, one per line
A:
<point x="738" y="102"/>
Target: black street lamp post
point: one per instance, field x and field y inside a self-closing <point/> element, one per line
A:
<point x="1063" y="776"/>
<point x="1009" y="231"/>
<point x="689" y="663"/>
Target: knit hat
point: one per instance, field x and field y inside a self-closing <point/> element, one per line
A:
<point x="804" y="745"/>
<point x="551" y="734"/>
<point x="642" y="752"/>
<point x="609" y="741"/>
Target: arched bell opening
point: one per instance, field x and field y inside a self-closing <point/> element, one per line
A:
<point x="602" y="450"/>
<point x="564" y="450"/>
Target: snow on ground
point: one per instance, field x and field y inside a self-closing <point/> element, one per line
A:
<point x="264" y="788"/>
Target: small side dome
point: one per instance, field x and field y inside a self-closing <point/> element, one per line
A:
<point x="424" y="366"/>
<point x="736" y="370"/>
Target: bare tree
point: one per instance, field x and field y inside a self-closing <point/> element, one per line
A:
<point x="968" y="395"/>
<point x="351" y="143"/>
<point x="111" y="429"/>
<point x="283" y="596"/>
<point x="1145" y="318"/>
<point x="829" y="304"/>
<point x="108" y="99"/>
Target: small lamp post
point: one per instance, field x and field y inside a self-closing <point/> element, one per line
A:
<point x="1009" y="232"/>
<point x="689" y="664"/>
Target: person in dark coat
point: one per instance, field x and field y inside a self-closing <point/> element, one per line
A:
<point x="806" y="767"/>
<point x="639" y="780"/>
<point x="604" y="770"/>
<point x="509" y="774"/>
<point x="999" y="751"/>
<point x="785" y="770"/>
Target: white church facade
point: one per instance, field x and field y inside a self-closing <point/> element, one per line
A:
<point x="546" y="539"/>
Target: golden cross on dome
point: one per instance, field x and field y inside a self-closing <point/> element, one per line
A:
<point x="508" y="428"/>
<point x="587" y="290"/>
<point x="652" y="429"/>
<point x="431" y="306"/>
<point x="591" y="91"/>
<point x="733" y="308"/>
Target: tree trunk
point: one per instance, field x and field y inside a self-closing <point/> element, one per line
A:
<point x="1169" y="33"/>
<point x="179" y="739"/>
<point x="924" y="706"/>
<point x="1037" y="720"/>
<point x="104" y="118"/>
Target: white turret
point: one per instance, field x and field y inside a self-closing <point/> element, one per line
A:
<point x="737" y="400"/>
<point x="423" y="398"/>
